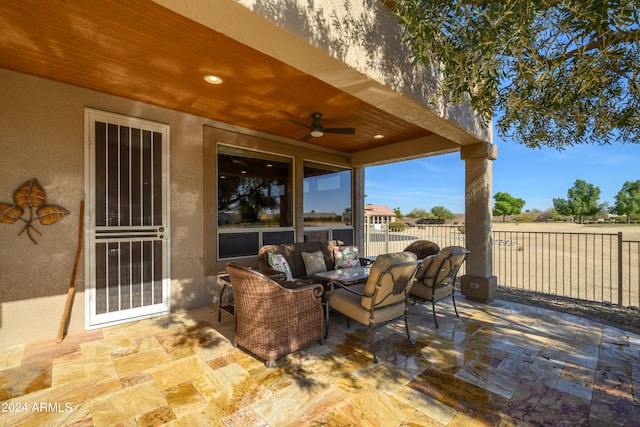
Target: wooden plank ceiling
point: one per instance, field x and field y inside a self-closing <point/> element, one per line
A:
<point x="142" y="51"/>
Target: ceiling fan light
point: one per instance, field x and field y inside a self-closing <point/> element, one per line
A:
<point x="214" y="80"/>
<point x="316" y="133"/>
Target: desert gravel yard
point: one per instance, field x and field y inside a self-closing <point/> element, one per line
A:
<point x="627" y="318"/>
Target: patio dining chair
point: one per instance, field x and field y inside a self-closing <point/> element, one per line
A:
<point x="423" y="248"/>
<point x="271" y="320"/>
<point x="436" y="277"/>
<point x="382" y="299"/>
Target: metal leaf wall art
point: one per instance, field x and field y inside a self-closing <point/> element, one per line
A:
<point x="30" y="197"/>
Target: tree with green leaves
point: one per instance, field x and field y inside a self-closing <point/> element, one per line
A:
<point x="506" y="204"/>
<point x="582" y="200"/>
<point x="628" y="200"/>
<point x="418" y="213"/>
<point x="558" y="72"/>
<point x="398" y="213"/>
<point x="440" y="212"/>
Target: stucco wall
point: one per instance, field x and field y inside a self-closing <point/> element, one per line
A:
<point x="41" y="136"/>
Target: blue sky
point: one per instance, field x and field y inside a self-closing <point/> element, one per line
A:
<point x="537" y="176"/>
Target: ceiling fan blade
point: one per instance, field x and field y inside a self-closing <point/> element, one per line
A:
<point x="317" y="130"/>
<point x="301" y="124"/>
<point x="348" y="131"/>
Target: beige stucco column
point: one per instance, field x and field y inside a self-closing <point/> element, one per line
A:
<point x="357" y="211"/>
<point x="479" y="283"/>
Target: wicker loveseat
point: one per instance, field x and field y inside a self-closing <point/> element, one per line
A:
<point x="293" y="254"/>
<point x="273" y="321"/>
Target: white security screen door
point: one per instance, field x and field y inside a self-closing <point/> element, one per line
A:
<point x="127" y="239"/>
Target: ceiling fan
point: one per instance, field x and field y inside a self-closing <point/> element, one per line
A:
<point x="316" y="129"/>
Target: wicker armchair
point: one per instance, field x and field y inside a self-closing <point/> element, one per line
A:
<point x="273" y="321"/>
<point x="382" y="299"/>
<point x="436" y="277"/>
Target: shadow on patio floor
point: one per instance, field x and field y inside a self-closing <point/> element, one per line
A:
<point x="498" y="364"/>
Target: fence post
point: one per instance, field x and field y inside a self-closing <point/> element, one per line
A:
<point x="386" y="239"/>
<point x="365" y="244"/>
<point x="620" y="269"/>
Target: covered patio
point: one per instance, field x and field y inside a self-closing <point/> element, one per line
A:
<point x="62" y="64"/>
<point x="498" y="364"/>
<point x="107" y="103"/>
<point x="280" y="61"/>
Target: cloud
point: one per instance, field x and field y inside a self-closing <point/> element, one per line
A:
<point x="428" y="165"/>
<point x="375" y="185"/>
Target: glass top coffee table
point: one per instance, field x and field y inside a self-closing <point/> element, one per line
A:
<point x="346" y="276"/>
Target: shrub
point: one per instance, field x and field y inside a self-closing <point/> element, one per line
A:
<point x="525" y="218"/>
<point x="397" y="226"/>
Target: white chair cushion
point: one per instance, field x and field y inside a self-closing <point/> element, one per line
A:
<point x="348" y="304"/>
<point x="314" y="262"/>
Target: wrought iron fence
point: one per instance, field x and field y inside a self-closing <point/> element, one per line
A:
<point x="596" y="267"/>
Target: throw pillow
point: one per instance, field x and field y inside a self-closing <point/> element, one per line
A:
<point x="279" y="263"/>
<point x="346" y="256"/>
<point x="314" y="262"/>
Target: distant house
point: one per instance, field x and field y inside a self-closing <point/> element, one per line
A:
<point x="430" y="221"/>
<point x="378" y="214"/>
<point x="457" y="219"/>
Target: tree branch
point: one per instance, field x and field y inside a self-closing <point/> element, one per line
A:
<point x="601" y="42"/>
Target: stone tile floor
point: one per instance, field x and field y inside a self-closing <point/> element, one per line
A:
<point x="499" y="364"/>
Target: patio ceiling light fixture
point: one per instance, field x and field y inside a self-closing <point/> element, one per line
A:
<point x="214" y="80"/>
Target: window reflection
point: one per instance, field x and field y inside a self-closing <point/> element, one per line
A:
<point x="327" y="195"/>
<point x="254" y="189"/>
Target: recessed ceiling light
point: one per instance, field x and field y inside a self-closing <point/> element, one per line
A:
<point x="214" y="80"/>
<point x="378" y="136"/>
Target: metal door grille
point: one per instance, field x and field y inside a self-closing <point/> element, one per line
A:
<point x="129" y="260"/>
<point x="129" y="177"/>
